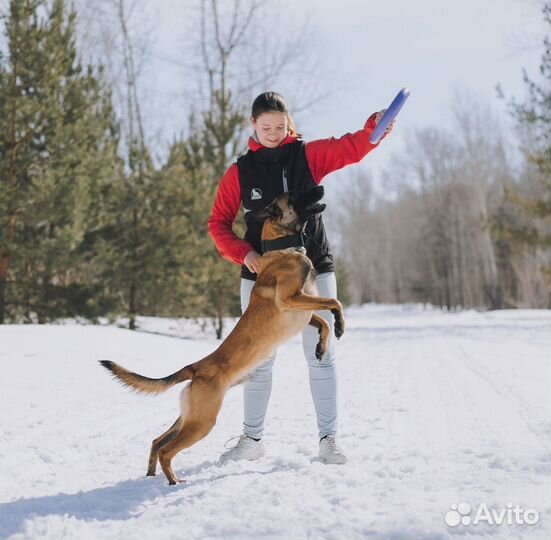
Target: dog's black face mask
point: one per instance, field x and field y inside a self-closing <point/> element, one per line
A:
<point x="306" y="204"/>
<point x="293" y="208"/>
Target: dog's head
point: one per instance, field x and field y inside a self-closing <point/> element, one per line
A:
<point x="291" y="210"/>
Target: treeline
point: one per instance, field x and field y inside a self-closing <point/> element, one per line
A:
<point x="467" y="226"/>
<point x="92" y="226"/>
<point x="89" y="225"/>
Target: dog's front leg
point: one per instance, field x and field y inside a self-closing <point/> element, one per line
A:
<point x="323" y="328"/>
<point x="305" y="302"/>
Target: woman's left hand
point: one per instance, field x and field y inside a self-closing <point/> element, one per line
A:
<point x="378" y="117"/>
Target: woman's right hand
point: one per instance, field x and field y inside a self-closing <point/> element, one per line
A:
<point x="252" y="260"/>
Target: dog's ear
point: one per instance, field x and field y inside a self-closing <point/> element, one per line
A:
<point x="307" y="204"/>
<point x="313" y="195"/>
<point x="307" y="213"/>
<point x="271" y="211"/>
<point x="303" y="199"/>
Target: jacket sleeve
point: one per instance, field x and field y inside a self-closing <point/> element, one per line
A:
<point x="328" y="155"/>
<point x="223" y="216"/>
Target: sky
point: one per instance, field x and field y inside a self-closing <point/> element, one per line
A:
<point x="432" y="47"/>
<point x="365" y="52"/>
<point x="435" y="48"/>
<point x="369" y="51"/>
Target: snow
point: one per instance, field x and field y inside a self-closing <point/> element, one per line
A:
<point x="436" y="409"/>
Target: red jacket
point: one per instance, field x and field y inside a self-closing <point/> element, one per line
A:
<point x="324" y="156"/>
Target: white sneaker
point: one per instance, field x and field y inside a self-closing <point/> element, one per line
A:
<point x="330" y="452"/>
<point x="246" y="448"/>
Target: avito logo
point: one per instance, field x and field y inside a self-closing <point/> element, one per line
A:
<point x="511" y="515"/>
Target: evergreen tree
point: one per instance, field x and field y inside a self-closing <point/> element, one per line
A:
<point x="534" y="123"/>
<point x="146" y="248"/>
<point x="208" y="285"/>
<point x="19" y="108"/>
<point x="57" y="161"/>
<point x="221" y="136"/>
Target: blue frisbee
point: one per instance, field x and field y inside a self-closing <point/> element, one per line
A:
<point x="390" y="114"/>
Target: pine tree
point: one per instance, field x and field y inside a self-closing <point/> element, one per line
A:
<point x="57" y="161"/>
<point x="146" y="246"/>
<point x="19" y="109"/>
<point x="534" y="123"/>
<point x="222" y="134"/>
<point x="207" y="287"/>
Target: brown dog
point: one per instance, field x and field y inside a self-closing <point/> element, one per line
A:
<point x="282" y="304"/>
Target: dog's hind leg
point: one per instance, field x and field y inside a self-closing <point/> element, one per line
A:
<point x="324" y="329"/>
<point x="172" y="432"/>
<point x="188" y="436"/>
<point x="203" y="401"/>
<point x="167" y="436"/>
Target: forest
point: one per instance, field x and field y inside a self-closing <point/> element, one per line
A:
<point x="94" y="224"/>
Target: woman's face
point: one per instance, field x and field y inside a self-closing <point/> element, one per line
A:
<point x="271" y="128"/>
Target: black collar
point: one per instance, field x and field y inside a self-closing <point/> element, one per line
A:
<point x="285" y="242"/>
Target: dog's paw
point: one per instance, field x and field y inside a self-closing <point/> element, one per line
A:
<point x="339" y="323"/>
<point x="320" y="351"/>
<point x="175" y="481"/>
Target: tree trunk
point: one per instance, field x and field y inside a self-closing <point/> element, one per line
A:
<point x="12" y="180"/>
<point x="132" y="304"/>
<point x="3" y="284"/>
<point x="132" y="307"/>
<point x="4" y="265"/>
<point x="220" y="310"/>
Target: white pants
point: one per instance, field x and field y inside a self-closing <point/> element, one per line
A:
<point x="323" y="375"/>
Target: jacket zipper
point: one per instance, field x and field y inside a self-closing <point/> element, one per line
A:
<point x="284" y="176"/>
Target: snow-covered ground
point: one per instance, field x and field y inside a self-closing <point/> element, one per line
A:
<point x="436" y="410"/>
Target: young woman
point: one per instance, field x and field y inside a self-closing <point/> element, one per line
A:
<point x="277" y="161"/>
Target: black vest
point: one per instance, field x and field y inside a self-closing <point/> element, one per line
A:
<point x="264" y="175"/>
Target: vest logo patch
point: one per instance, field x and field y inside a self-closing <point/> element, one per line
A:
<point x="256" y="194"/>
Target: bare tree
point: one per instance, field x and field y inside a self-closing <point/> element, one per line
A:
<point x="120" y="35"/>
<point x="240" y="48"/>
<point x="435" y="240"/>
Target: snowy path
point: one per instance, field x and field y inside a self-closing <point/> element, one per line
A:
<point x="435" y="409"/>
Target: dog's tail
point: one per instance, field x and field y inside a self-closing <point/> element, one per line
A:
<point x="145" y="384"/>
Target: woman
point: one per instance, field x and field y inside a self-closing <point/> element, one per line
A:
<point x="277" y="161"/>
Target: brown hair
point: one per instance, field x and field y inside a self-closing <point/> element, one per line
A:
<point x="273" y="102"/>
